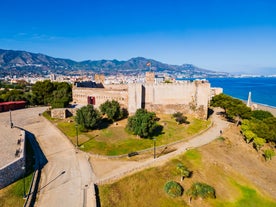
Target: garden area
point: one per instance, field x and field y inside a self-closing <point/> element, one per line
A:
<point x="113" y="139"/>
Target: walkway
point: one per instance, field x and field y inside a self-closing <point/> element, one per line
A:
<point x="66" y="180"/>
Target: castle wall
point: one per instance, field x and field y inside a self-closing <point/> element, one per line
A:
<point x="134" y="97"/>
<point x="186" y="97"/>
<point x="101" y="95"/>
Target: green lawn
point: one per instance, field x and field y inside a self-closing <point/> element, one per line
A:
<point x="249" y="198"/>
<point x="114" y="140"/>
<point x="12" y="195"/>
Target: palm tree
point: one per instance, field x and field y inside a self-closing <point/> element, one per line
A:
<point x="183" y="171"/>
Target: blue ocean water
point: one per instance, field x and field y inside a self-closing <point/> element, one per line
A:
<point x="263" y="90"/>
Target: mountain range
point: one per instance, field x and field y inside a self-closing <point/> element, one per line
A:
<point x="22" y="63"/>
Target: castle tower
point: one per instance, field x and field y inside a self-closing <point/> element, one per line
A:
<point x="99" y="78"/>
<point x="150" y="76"/>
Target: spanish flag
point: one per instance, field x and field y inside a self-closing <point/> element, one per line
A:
<point x="149" y="64"/>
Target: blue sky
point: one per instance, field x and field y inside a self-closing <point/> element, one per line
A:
<point x="222" y="35"/>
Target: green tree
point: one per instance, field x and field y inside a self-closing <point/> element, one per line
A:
<point x="142" y="123"/>
<point x="13" y="95"/>
<point x="87" y="117"/>
<point x="232" y="107"/>
<point x="42" y="91"/>
<point x="62" y="95"/>
<point x="261" y="129"/>
<point x="58" y="95"/>
<point x="270" y="122"/>
<point x="260" y="114"/>
<point x="183" y="171"/>
<point x="112" y="110"/>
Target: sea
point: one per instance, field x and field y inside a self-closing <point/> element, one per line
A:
<point x="263" y="89"/>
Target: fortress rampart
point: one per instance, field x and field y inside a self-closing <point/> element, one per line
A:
<point x="188" y="97"/>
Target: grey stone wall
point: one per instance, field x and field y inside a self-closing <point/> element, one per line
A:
<point x="63" y="113"/>
<point x="13" y="171"/>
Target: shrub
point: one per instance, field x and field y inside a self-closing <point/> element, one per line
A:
<point x="268" y="154"/>
<point x="201" y="190"/>
<point x="249" y="136"/>
<point x="179" y="118"/>
<point x="173" y="189"/>
<point x="258" y="143"/>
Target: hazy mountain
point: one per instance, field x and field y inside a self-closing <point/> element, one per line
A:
<point x="26" y="63"/>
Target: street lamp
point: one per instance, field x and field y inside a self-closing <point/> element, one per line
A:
<point x="11" y="119"/>
<point x="154" y="148"/>
<point x="77" y="130"/>
<point x="24" y="190"/>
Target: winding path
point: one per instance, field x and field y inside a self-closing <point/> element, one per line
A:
<point x="66" y="180"/>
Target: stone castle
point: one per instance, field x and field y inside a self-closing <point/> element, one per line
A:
<point x="185" y="96"/>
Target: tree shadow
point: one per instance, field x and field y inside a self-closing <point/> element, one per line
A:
<point x="157" y="131"/>
<point x="105" y="123"/>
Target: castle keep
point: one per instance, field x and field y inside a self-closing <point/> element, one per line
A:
<point x="185" y="96"/>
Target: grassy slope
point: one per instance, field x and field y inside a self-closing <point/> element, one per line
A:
<point x="146" y="188"/>
<point x="13" y="194"/>
<point x="114" y="140"/>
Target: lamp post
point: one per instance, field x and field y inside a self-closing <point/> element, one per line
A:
<point x="77" y="127"/>
<point x="11" y="119"/>
<point x="24" y="190"/>
<point x="154" y="148"/>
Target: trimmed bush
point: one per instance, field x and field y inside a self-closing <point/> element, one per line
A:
<point x="201" y="190"/>
<point x="173" y="189"/>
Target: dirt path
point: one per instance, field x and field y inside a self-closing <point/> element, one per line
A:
<point x="109" y="170"/>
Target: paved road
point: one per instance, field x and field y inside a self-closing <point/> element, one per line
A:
<point x="66" y="180"/>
